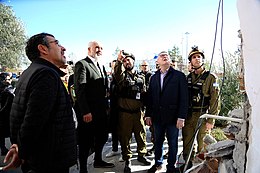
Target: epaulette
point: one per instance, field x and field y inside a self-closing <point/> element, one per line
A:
<point x="214" y="75"/>
<point x="205" y="75"/>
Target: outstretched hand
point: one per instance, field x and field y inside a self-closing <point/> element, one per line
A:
<point x="120" y="56"/>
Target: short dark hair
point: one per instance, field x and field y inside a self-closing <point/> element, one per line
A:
<point x="3" y="84"/>
<point x="31" y="48"/>
<point x="3" y="76"/>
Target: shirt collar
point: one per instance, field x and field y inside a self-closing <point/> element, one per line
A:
<point x="165" y="71"/>
<point x="93" y="59"/>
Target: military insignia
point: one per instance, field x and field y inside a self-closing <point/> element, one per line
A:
<point x="138" y="96"/>
<point x="216" y="85"/>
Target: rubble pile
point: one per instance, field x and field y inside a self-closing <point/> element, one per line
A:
<point x="228" y="156"/>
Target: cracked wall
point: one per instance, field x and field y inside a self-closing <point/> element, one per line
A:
<point x="248" y="10"/>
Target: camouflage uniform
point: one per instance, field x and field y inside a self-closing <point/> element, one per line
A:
<point x="203" y="98"/>
<point x="130" y="92"/>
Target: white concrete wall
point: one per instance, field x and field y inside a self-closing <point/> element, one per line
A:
<point x="249" y="15"/>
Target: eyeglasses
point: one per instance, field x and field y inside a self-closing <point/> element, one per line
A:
<point x="55" y="41"/>
<point x="144" y="65"/>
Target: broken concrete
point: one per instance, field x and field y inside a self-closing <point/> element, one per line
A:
<point x="242" y="134"/>
<point x="233" y="129"/>
<point x="226" y="166"/>
<point x="230" y="154"/>
<point x="220" y="152"/>
<point x="237" y="113"/>
<point x="220" y="145"/>
<point x="239" y="156"/>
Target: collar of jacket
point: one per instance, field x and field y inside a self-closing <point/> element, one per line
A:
<point x="170" y="70"/>
<point x="49" y="64"/>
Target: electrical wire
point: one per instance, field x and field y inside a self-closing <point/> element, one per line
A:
<point x="200" y="121"/>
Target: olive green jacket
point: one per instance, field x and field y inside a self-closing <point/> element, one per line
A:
<point x="126" y="103"/>
<point x="210" y="89"/>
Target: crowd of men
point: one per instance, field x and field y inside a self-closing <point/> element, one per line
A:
<point x="51" y="115"/>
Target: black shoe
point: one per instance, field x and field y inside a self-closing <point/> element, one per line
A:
<point x="175" y="170"/>
<point x="83" y="171"/>
<point x="150" y="152"/>
<point x="154" y="168"/>
<point x="103" y="164"/>
<point x="143" y="160"/>
<point x="189" y="165"/>
<point x="165" y="156"/>
<point x="152" y="149"/>
<point x="4" y="151"/>
<point x="127" y="168"/>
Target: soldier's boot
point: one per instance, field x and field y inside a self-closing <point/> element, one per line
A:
<point x="127" y="168"/>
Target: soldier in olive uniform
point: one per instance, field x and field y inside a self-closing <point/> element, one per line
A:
<point x="131" y="87"/>
<point x="203" y="98"/>
<point x="146" y="72"/>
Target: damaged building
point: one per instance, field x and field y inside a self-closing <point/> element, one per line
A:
<point x="240" y="153"/>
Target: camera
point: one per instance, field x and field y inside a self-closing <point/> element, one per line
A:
<point x="125" y="53"/>
<point x="70" y="62"/>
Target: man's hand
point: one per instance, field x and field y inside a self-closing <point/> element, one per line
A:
<point x="13" y="157"/>
<point x="148" y="121"/>
<point x="180" y="123"/>
<point x="87" y="118"/>
<point x="209" y="126"/>
<point x="120" y="56"/>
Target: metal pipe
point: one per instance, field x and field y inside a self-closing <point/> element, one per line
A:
<point x="238" y="120"/>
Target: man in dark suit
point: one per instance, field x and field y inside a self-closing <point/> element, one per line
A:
<point x="91" y="91"/>
<point x="166" y="109"/>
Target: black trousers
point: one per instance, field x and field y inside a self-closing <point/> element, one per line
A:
<point x="113" y="123"/>
<point x="2" y="143"/>
<point x="91" y="135"/>
<point x="26" y="168"/>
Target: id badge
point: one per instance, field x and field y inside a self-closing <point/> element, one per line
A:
<point x="138" y="96"/>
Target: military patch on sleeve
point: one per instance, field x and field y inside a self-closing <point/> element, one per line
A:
<point x="215" y="85"/>
<point x="214" y="75"/>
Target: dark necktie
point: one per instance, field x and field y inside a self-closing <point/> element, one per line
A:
<point x="100" y="70"/>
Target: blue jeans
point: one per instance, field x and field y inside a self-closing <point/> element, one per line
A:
<point x="172" y="137"/>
